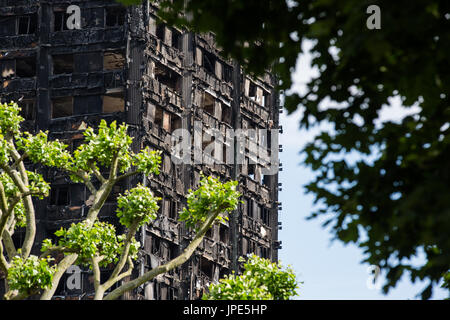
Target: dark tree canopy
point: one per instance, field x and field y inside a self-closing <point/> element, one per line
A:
<point x="401" y="200"/>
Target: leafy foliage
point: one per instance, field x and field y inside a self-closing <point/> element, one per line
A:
<point x="100" y="240"/>
<point x="10" y="118"/>
<point x="37" y="185"/>
<point x="260" y="280"/>
<point x="147" y="161"/>
<point x="100" y="147"/>
<point x="404" y="189"/>
<point x="40" y="150"/>
<point x="211" y="196"/>
<point x="31" y="274"/>
<point x="137" y="205"/>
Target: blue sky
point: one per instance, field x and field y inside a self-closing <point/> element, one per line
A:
<point x="328" y="270"/>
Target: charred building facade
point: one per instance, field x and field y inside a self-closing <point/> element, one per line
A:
<point x="119" y="64"/>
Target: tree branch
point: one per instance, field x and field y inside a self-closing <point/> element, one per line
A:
<point x="96" y="269"/>
<point x="127" y="175"/>
<point x="97" y="173"/>
<point x="8" y="243"/>
<point x="3" y="200"/>
<point x="85" y="177"/>
<point x="21" y="182"/>
<point x="125" y="251"/>
<point x="50" y="250"/>
<point x="114" y="167"/>
<point x="174" y="263"/>
<point x="60" y="270"/>
<point x="19" y="160"/>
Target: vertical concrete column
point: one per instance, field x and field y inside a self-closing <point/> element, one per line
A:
<point x="43" y="102"/>
<point x="186" y="124"/>
<point x="236" y="121"/>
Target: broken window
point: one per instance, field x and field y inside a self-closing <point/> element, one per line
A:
<point x="226" y="114"/>
<point x="168" y="77"/>
<point x="252" y="91"/>
<point x="250" y="205"/>
<point x="26" y="24"/>
<point x="88" y="62"/>
<point x="113" y="60"/>
<point x="156" y="245"/>
<point x="62" y="64"/>
<point x="172" y="209"/>
<point x="209" y="62"/>
<point x="175" y="123"/>
<point x="227" y="73"/>
<point x="208" y="103"/>
<point x="266" y="180"/>
<point x="160" y="31"/>
<point x="177" y="39"/>
<point x="27" y="109"/>
<point x="207" y="140"/>
<point x="59" y="196"/>
<point x="7" y="26"/>
<point x="266" y="99"/>
<point x="87" y="104"/>
<point x="251" y="171"/>
<point x="158" y="120"/>
<point x="18" y="25"/>
<point x="206" y="267"/>
<point x="114" y="102"/>
<point x="115" y="16"/>
<point x="62" y="107"/>
<point x="224" y="233"/>
<point x="265" y="216"/>
<point x="264" y="252"/>
<point x="251" y="247"/>
<point x="210" y="233"/>
<point x="26" y="67"/>
<point x="60" y="22"/>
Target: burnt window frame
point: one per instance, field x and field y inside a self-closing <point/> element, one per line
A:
<point x="27" y="112"/>
<point x="119" y="94"/>
<point x="15" y="24"/>
<point x="60" y="16"/>
<point x="121" y="52"/>
<point x="61" y="98"/>
<point x="119" y="19"/>
<point x="168" y="77"/>
<point x="33" y="73"/>
<point x="61" y="55"/>
<point x="209" y="62"/>
<point x="31" y="24"/>
<point x="55" y="196"/>
<point x="207" y="97"/>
